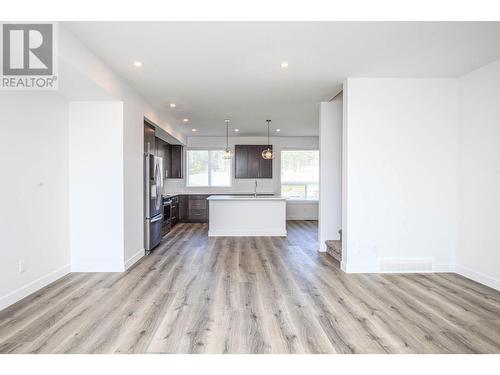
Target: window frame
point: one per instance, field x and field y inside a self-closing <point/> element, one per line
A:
<point x="208" y="149"/>
<point x="298" y="183"/>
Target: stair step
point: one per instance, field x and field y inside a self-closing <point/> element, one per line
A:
<point x="334" y="248"/>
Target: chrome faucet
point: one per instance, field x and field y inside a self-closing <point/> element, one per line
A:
<point x="255" y="190"/>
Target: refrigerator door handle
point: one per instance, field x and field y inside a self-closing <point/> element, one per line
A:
<point x="158" y="185"/>
<point x="156" y="218"/>
<point x="147" y="189"/>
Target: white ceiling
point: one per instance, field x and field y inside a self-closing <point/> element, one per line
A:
<point x="218" y="70"/>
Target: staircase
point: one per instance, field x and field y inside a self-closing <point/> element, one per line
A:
<point x="334" y="247"/>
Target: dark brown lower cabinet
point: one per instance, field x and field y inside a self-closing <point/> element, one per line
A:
<point x="198" y="215"/>
<point x="198" y="208"/>
<point x="183" y="208"/>
<point x="174" y="209"/>
<point x="193" y="208"/>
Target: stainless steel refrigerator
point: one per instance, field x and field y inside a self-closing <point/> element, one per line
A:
<point x="153" y="200"/>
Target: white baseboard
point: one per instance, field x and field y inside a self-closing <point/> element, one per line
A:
<point x="374" y="268"/>
<point x="108" y="267"/>
<point x="247" y="233"/>
<point x="343" y="266"/>
<point x="134" y="258"/>
<point x="43" y="281"/>
<point x="32" y="287"/>
<point x="445" y="268"/>
<point x="315" y="218"/>
<point x="478" y="277"/>
<point x="322" y="247"/>
<point x="359" y="268"/>
<point x="302" y="202"/>
<point x="97" y="267"/>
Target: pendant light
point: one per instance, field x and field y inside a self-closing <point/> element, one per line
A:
<point x="227" y="153"/>
<point x="268" y="153"/>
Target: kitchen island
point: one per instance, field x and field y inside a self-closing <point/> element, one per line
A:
<point x="246" y="215"/>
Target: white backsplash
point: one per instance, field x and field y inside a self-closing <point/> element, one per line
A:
<point x="238" y="186"/>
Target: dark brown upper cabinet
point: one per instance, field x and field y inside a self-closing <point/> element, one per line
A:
<point x="248" y="162"/>
<point x="149" y="139"/>
<point x="266" y="165"/>
<point x="240" y="161"/>
<point x="172" y="158"/>
<point x="162" y="152"/>
<point x="176" y="153"/>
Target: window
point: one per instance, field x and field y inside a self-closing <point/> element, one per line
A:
<point x="208" y="168"/>
<point x="300" y="174"/>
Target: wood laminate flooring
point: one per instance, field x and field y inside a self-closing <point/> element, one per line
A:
<point x="196" y="294"/>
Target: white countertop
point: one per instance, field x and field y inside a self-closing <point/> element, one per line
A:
<point x="202" y="192"/>
<point x="246" y="197"/>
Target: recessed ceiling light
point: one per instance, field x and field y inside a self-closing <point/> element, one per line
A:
<point x="194" y="130"/>
<point x="284" y="64"/>
<point x="278" y="130"/>
<point x="185" y="120"/>
<point x="173" y="105"/>
<point x="138" y="64"/>
<point x="236" y="130"/>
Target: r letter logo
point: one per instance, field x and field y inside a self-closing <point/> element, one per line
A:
<point x="28" y="56"/>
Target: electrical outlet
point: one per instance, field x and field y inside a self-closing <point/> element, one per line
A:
<point x="22" y="266"/>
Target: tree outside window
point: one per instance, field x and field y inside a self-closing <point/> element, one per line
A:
<point x="300" y="174"/>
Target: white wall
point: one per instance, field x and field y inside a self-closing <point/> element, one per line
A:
<point x="96" y="186"/>
<point x="295" y="210"/>
<point x="478" y="255"/>
<point x="330" y="177"/>
<point x="302" y="210"/>
<point x="133" y="181"/>
<point x="401" y="167"/>
<point x="34" y="213"/>
<point x="34" y="131"/>
<point x="84" y="77"/>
